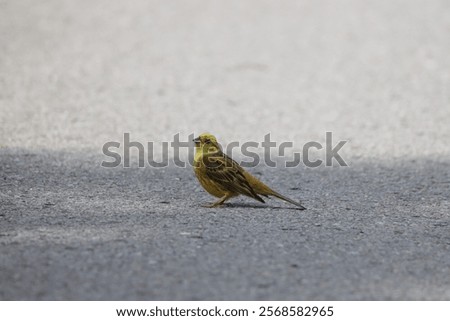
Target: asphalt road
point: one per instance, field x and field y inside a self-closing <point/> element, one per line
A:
<point x="77" y="74"/>
<point x="72" y="230"/>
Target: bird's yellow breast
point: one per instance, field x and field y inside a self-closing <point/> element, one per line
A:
<point x="209" y="186"/>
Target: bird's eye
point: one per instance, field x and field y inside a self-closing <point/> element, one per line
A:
<point x="207" y="141"/>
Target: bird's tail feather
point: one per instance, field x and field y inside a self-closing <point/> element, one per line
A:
<point x="287" y="199"/>
<point x="257" y="197"/>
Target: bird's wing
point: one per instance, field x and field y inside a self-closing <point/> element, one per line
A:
<point x="228" y="174"/>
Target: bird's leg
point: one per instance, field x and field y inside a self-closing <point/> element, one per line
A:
<point x="220" y="201"/>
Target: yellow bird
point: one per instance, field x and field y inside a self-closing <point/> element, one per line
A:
<point x="222" y="177"/>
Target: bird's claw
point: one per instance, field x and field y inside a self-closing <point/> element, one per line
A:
<point x="211" y="205"/>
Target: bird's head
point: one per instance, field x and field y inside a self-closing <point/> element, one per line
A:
<point x="207" y="141"/>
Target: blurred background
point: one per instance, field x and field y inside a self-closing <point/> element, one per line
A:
<point x="75" y="74"/>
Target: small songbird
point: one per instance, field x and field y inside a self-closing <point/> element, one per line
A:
<point x="224" y="178"/>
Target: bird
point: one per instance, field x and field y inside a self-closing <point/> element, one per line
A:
<point x="224" y="178"/>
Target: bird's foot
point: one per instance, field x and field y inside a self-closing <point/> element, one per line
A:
<point x="212" y="205"/>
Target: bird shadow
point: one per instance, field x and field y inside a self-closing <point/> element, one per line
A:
<point x="255" y="206"/>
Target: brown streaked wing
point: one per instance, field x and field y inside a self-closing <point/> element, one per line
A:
<point x="227" y="173"/>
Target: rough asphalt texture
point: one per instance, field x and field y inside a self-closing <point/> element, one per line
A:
<point x="76" y="74"/>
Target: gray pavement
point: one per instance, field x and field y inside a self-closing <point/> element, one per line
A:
<point x="76" y="74"/>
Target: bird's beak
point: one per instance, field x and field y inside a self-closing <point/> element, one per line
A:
<point x="196" y="141"/>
